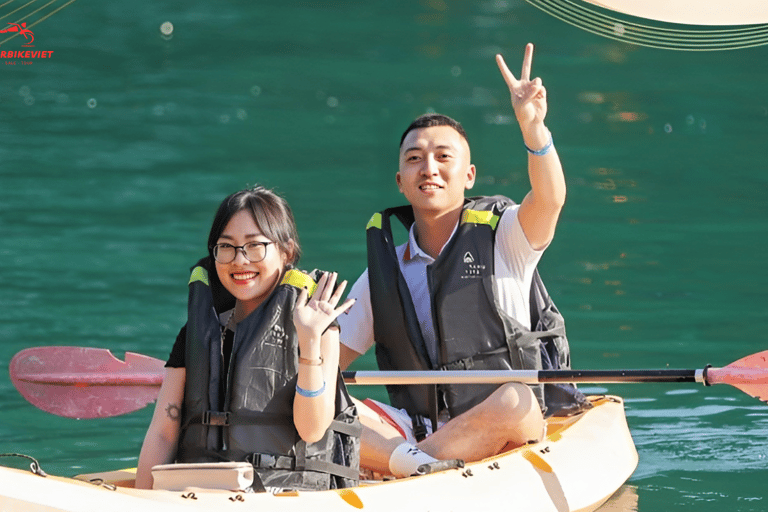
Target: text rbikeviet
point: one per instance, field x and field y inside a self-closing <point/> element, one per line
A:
<point x="26" y="55"/>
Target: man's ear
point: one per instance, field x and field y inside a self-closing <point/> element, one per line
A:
<point x="397" y="179"/>
<point x="471" y="175"/>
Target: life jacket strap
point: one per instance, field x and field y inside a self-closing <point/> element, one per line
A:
<point x="323" y="466"/>
<point x="419" y="422"/>
<point x="419" y="428"/>
<point x="288" y="463"/>
<point x="351" y="429"/>
<point x="270" y="461"/>
<point x="468" y="363"/>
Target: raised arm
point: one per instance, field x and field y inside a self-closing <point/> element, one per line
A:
<point x="541" y="207"/>
<point x="314" y="404"/>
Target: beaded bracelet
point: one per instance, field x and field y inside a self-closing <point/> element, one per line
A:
<point x="543" y="151"/>
<point x="310" y="394"/>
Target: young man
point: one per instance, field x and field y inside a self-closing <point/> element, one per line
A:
<point x="436" y="301"/>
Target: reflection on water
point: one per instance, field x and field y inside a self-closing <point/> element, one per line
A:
<point x="624" y="500"/>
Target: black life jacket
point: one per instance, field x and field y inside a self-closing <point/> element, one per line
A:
<point x="473" y="331"/>
<point x="254" y="422"/>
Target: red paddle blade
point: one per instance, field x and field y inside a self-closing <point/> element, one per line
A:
<point x="77" y="382"/>
<point x="749" y="374"/>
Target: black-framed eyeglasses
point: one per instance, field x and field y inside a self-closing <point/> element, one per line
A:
<point x="253" y="251"/>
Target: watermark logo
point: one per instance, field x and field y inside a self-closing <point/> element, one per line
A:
<point x="27" y="55"/>
<point x="22" y="29"/>
<point x="19" y="45"/>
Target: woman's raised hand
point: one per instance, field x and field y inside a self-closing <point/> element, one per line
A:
<point x="313" y="315"/>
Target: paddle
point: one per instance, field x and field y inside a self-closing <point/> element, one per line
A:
<point x="91" y="383"/>
<point x="85" y="382"/>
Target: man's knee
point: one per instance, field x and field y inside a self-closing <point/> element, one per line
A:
<point x="519" y="402"/>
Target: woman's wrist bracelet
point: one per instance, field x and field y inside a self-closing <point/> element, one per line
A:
<point x="311" y="362"/>
<point x="543" y="151"/>
<point x="310" y="394"/>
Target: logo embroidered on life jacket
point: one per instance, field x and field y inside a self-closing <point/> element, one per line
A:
<point x="278" y="335"/>
<point x="472" y="270"/>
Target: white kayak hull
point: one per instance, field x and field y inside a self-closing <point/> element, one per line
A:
<point x="581" y="463"/>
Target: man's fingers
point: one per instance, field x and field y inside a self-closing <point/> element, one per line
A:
<point x="533" y="90"/>
<point x="505" y="72"/>
<point x="525" y="74"/>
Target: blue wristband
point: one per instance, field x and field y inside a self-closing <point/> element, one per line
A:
<point x="310" y="394"/>
<point x="543" y="151"/>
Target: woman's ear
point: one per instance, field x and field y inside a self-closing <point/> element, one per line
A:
<point x="290" y="254"/>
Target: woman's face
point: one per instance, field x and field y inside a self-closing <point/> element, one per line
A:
<point x="250" y="282"/>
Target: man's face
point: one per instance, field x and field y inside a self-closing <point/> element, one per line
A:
<point x="435" y="169"/>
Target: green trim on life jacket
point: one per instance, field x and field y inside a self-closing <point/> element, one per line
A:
<point x="479" y="217"/>
<point x="199" y="274"/>
<point x="375" y="222"/>
<point x="299" y="279"/>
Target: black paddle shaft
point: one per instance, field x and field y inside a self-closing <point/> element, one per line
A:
<point x="405" y="378"/>
<point x="617" y="376"/>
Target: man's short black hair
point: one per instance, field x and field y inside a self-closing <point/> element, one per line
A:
<point x="430" y="120"/>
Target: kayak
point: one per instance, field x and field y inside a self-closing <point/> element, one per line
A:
<point x="583" y="460"/>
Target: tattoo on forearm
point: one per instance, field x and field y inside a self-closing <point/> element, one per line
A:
<point x="173" y="411"/>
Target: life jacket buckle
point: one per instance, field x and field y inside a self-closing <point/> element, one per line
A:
<point x="216" y="418"/>
<point x="262" y="460"/>
<point x="461" y="364"/>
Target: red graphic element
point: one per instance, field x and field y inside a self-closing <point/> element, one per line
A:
<point x="23" y="30"/>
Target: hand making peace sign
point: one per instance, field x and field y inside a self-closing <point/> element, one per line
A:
<point x="529" y="98"/>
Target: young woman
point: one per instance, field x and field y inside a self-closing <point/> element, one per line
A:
<point x="253" y="375"/>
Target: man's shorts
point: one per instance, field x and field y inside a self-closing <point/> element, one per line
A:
<point x="401" y="420"/>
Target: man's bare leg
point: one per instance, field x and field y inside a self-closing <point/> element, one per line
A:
<point x="379" y="439"/>
<point x="384" y="449"/>
<point x="510" y="416"/>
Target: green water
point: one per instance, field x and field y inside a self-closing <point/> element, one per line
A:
<point x="115" y="152"/>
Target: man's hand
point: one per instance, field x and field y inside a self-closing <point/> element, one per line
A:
<point x="529" y="98"/>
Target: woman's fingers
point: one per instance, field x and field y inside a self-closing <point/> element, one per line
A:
<point x="344" y="307"/>
<point x="337" y="294"/>
<point x="325" y="287"/>
<point x="330" y="284"/>
<point x="302" y="299"/>
<point x="321" y="283"/>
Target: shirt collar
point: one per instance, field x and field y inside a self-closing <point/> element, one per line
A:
<point x="412" y="250"/>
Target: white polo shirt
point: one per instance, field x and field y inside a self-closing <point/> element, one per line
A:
<point x="514" y="262"/>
